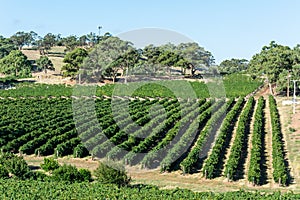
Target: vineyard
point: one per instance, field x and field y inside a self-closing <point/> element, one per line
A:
<point x="59" y="190"/>
<point x="206" y="136"/>
<point x="115" y="109"/>
<point x="209" y="135"/>
<point x="234" y="85"/>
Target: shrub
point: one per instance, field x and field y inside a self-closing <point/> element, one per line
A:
<point x="3" y="172"/>
<point x="36" y="175"/>
<point x="80" y="151"/>
<point x="5" y="157"/>
<point x="17" y="166"/>
<point x="50" y="164"/>
<point x="85" y="174"/>
<point x="112" y="173"/>
<point x="292" y="129"/>
<point x="70" y="174"/>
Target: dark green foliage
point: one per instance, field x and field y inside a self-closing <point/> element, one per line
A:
<point x="3" y="172"/>
<point x="15" y="165"/>
<point x="15" y="64"/>
<point x="85" y="174"/>
<point x="111" y="173"/>
<point x="44" y="63"/>
<point x="73" y="61"/>
<point x="188" y="165"/>
<point x="18" y="167"/>
<point x="257" y="150"/>
<point x="239" y="147"/>
<point x="12" y="189"/>
<point x="49" y="164"/>
<point x="67" y="148"/>
<point x="280" y="170"/>
<point x="6" y="46"/>
<point x="36" y="175"/>
<point x="80" y="151"/>
<point x="232" y="66"/>
<point x="69" y="173"/>
<point x="272" y="61"/>
<point x="213" y="164"/>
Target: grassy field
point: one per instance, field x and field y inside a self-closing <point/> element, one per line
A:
<point x="57" y="61"/>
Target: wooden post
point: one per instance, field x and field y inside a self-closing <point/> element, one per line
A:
<point x="92" y="156"/>
<point x="57" y="153"/>
<point x="39" y="154"/>
<point x="288" y="86"/>
<point x="205" y="173"/>
<point x="279" y="181"/>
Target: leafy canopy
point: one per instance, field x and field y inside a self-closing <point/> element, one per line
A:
<point x="15" y="64"/>
<point x="74" y="60"/>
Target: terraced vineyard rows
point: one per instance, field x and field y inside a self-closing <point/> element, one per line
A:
<point x="188" y="135"/>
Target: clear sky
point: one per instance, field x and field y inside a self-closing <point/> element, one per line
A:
<point x="227" y="28"/>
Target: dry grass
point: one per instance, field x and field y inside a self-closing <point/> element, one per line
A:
<point x="31" y="54"/>
<point x="171" y="180"/>
<point x="57" y="61"/>
<point x="291" y="138"/>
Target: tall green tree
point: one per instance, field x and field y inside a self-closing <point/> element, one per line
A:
<point x="73" y="60"/>
<point x="296" y="54"/>
<point x="128" y="61"/>
<point x="83" y="40"/>
<point x="271" y="62"/>
<point x="49" y="40"/>
<point x="44" y="63"/>
<point x="195" y="55"/>
<point x="103" y="59"/>
<point x="15" y="64"/>
<point x="22" y="38"/>
<point x="233" y="65"/>
<point x="150" y="57"/>
<point x="6" y="46"/>
<point x="285" y="77"/>
<point x="44" y="44"/>
<point x="169" y="59"/>
<point x="70" y="42"/>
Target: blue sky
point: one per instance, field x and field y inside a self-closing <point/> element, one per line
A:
<point x="229" y="29"/>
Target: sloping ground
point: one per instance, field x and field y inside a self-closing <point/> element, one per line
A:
<point x="268" y="145"/>
<point x="175" y="179"/>
<point x="291" y="130"/>
<point x="57" y="61"/>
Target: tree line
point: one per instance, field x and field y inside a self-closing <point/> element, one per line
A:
<point x="118" y="56"/>
<point x="93" y="57"/>
<point x="113" y="56"/>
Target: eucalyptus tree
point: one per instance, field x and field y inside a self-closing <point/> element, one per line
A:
<point x="107" y="58"/>
<point x="15" y="64"/>
<point x="271" y="62"/>
<point x="44" y="63"/>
